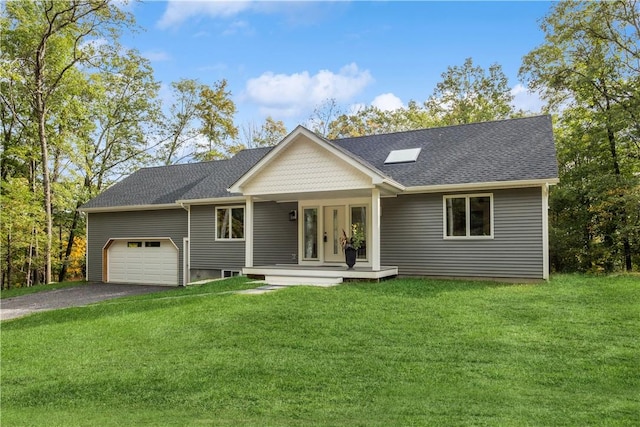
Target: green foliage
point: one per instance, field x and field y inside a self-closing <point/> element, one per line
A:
<point x="400" y="352"/>
<point x="76" y="111"/>
<point x="469" y="94"/>
<point x="466" y="94"/>
<point x="215" y="109"/>
<point x="373" y="121"/>
<point x="587" y="70"/>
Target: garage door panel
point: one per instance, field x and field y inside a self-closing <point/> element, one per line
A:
<point x="140" y="261"/>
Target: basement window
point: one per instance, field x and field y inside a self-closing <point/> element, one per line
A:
<point x="230" y="273"/>
<point x="409" y="155"/>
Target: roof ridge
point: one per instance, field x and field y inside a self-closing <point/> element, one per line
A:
<point x="337" y="140"/>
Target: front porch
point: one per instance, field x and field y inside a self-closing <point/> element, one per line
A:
<point x="323" y="275"/>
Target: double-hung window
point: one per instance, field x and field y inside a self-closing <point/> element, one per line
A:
<point x="230" y="223"/>
<point x="468" y="216"/>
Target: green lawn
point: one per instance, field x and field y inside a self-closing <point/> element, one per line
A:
<point x="398" y="353"/>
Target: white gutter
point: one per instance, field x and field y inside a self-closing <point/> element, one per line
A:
<point x="213" y="200"/>
<point x="131" y="208"/>
<point x="492" y="185"/>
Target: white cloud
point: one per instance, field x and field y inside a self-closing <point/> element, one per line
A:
<point x="156" y="55"/>
<point x="525" y="100"/>
<point x="293" y="93"/>
<point x="387" y="102"/>
<point x="179" y="11"/>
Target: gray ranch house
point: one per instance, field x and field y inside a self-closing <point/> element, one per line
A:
<point x="458" y="201"/>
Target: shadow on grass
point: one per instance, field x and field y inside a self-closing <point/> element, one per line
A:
<point x="178" y="297"/>
<point x="416" y="287"/>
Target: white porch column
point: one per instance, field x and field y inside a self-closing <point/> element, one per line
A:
<point x="375" y="229"/>
<point x="248" y="233"/>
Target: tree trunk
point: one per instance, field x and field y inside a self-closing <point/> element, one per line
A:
<point x="41" y="112"/>
<point x="626" y="245"/>
<point x="67" y="253"/>
<point x="8" y="277"/>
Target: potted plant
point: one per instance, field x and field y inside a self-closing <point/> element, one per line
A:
<point x="350" y="245"/>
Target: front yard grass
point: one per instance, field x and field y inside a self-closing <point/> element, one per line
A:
<point x="400" y="352"/>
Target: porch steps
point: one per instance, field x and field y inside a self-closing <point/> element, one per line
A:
<point x="296" y="279"/>
<point x="293" y="274"/>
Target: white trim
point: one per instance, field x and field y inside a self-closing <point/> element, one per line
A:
<point x="301" y="216"/>
<point x="186" y="261"/>
<point x="492" y="185"/>
<point x="248" y="232"/>
<point x="368" y="231"/>
<point x="320" y="204"/>
<point x="222" y="273"/>
<point x="213" y="200"/>
<point x="244" y="223"/>
<point x="107" y="245"/>
<point x="86" y="251"/>
<point x="467" y="202"/>
<point x="143" y="239"/>
<point x="132" y="208"/>
<point x="545" y="232"/>
<point x="375" y="229"/>
<point x="300" y="131"/>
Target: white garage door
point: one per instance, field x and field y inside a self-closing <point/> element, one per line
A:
<point x="153" y="262"/>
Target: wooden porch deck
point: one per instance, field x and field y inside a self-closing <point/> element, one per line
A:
<point x="294" y="274"/>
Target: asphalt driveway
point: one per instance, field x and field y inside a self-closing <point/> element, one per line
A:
<point x="77" y="296"/>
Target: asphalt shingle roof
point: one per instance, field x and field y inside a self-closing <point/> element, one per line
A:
<point x="506" y="150"/>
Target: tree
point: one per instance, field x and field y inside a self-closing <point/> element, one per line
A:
<point x="373" y="121"/>
<point x="323" y="115"/>
<point x="215" y="109"/>
<point x="178" y="129"/>
<point x="587" y="71"/>
<point x="270" y="133"/>
<point x="46" y="42"/>
<point x="469" y="94"/>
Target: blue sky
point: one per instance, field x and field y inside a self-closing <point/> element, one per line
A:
<point x="283" y="58"/>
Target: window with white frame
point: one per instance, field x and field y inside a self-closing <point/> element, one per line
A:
<point x="230" y="223"/>
<point x="468" y="216"/>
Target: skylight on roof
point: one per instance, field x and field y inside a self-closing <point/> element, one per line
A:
<point x="403" y="156"/>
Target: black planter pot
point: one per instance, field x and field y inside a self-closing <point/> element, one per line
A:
<point x="350" y="255"/>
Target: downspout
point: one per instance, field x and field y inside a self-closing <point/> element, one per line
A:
<point x="186" y="252"/>
<point x="545" y="231"/>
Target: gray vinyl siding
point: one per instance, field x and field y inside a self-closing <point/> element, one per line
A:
<point x="170" y="223"/>
<point x="412" y="237"/>
<point x="275" y="236"/>
<point x="206" y="252"/>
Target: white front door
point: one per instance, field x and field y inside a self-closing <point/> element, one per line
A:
<point x="334" y="223"/>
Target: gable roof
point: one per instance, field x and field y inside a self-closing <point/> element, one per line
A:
<point x="506" y="150"/>
<point x="489" y="152"/>
<point x="163" y="186"/>
<point x="377" y="176"/>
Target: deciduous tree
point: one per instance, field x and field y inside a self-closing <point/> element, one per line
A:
<point x="587" y="71"/>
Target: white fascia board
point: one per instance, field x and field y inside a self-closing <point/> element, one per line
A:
<point x="494" y="185"/>
<point x="391" y="184"/>
<point x="131" y="208"/>
<point x="213" y="200"/>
